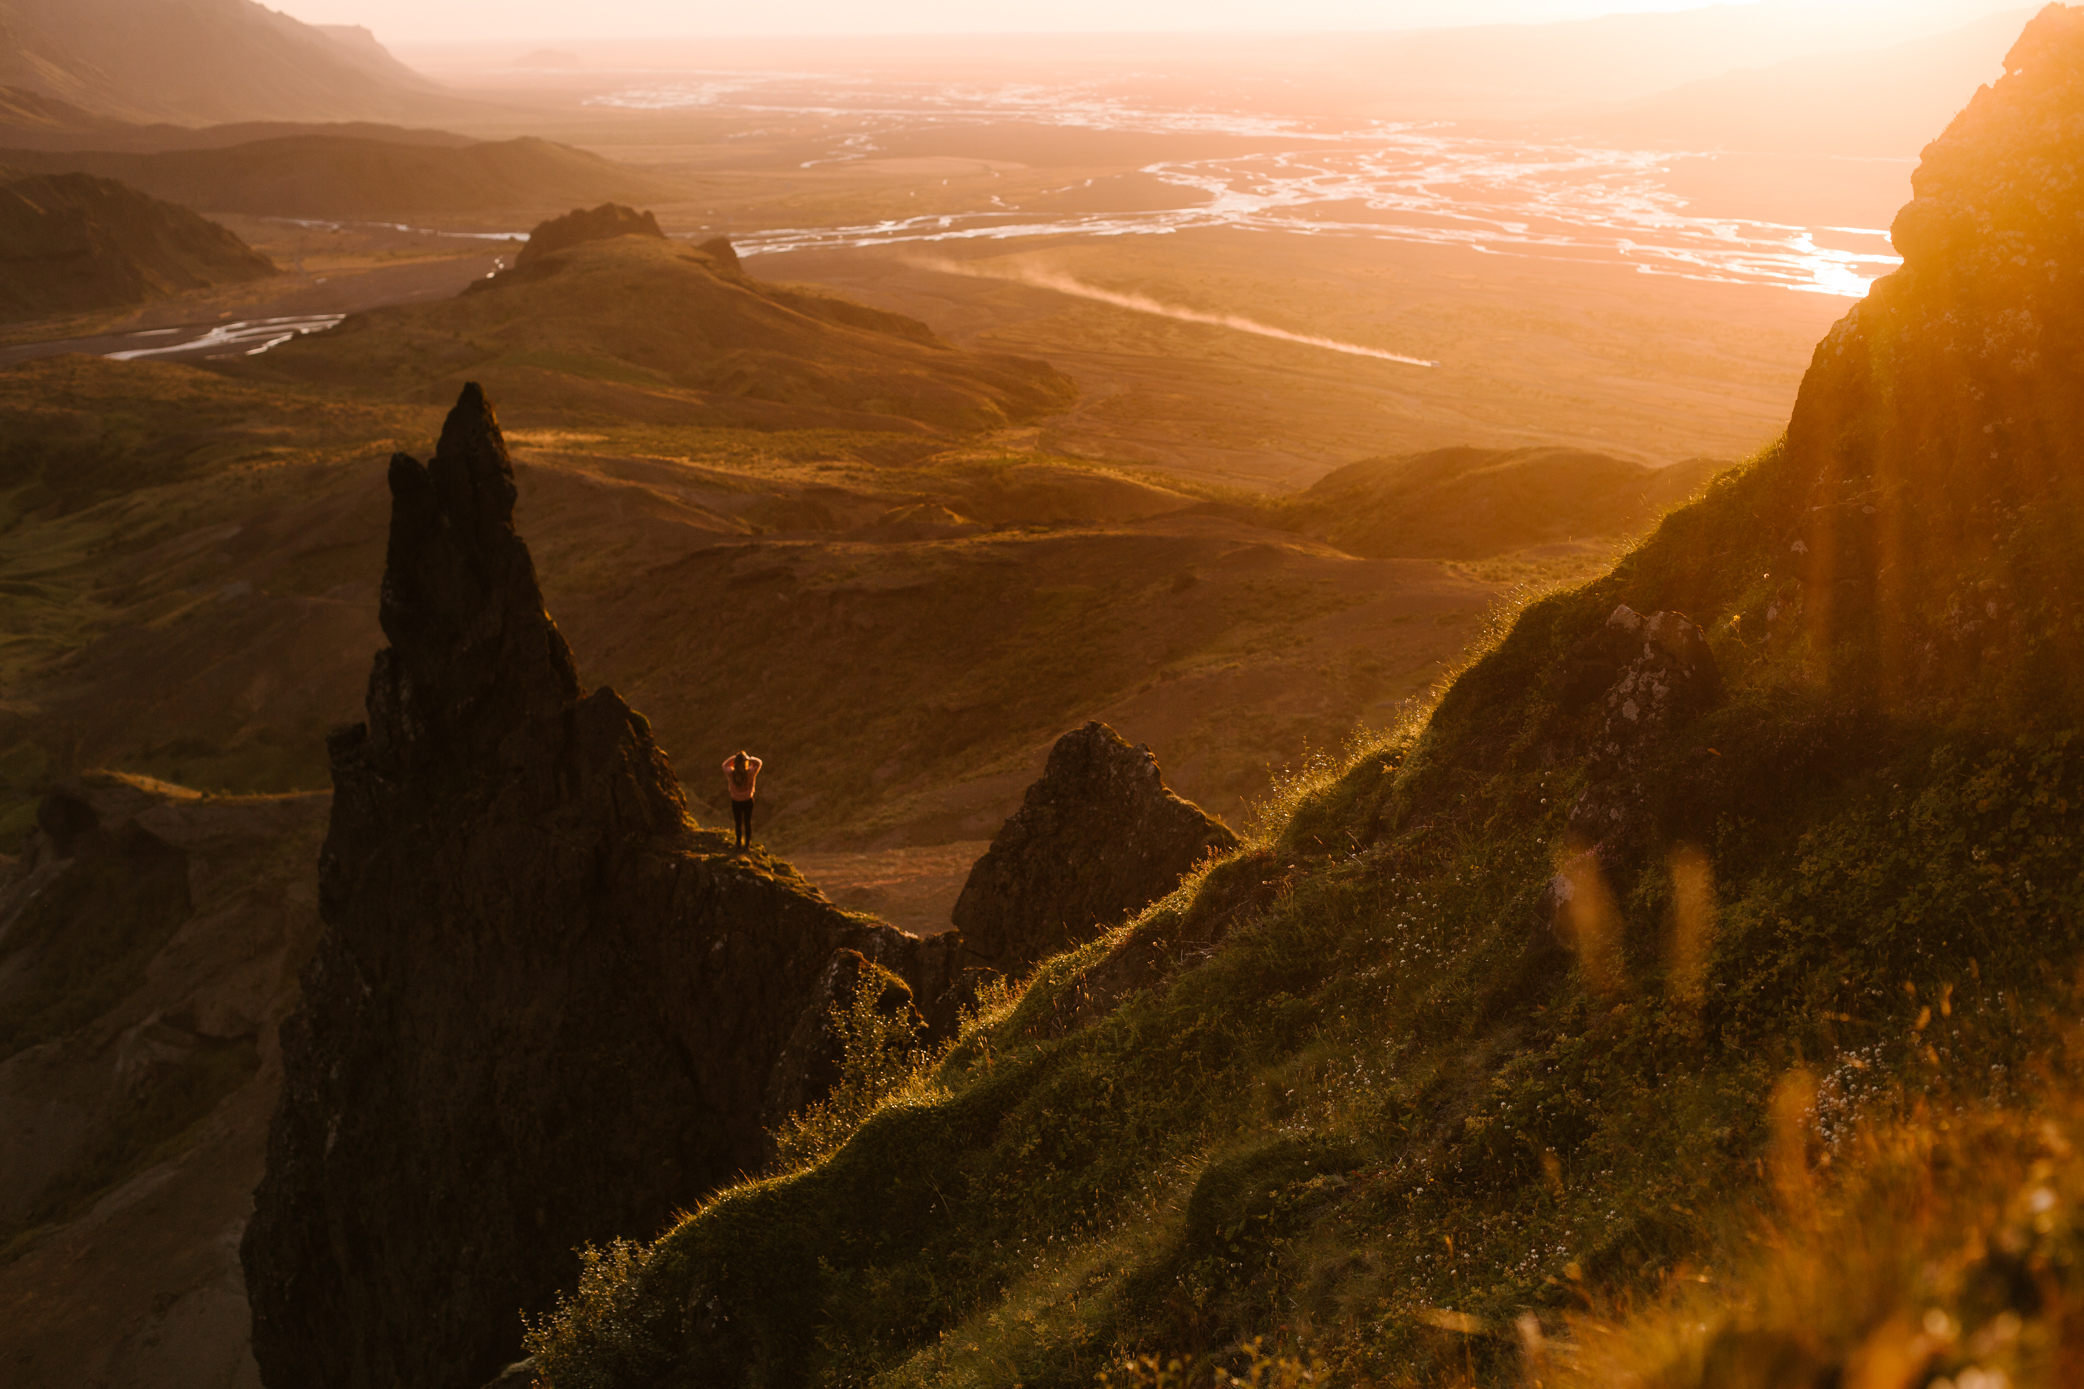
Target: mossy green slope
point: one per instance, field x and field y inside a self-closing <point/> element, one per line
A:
<point x="1352" y="1090"/>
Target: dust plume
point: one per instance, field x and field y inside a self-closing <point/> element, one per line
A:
<point x="1065" y="284"/>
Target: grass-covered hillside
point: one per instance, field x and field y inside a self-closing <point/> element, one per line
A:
<point x="189" y="568"/>
<point x="640" y="328"/>
<point x="73" y="243"/>
<point x="1685" y="1001"/>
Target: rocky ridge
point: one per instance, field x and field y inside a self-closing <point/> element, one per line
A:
<point x="547" y="1008"/>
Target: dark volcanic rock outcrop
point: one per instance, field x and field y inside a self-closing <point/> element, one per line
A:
<point x="720" y="249"/>
<point x="1098" y="837"/>
<point x="70" y="243"/>
<point x="1654" y="675"/>
<point x="1664" y="675"/>
<point x="547" y="1008"/>
<point x="603" y="223"/>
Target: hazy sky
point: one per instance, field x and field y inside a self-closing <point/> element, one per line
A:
<point x="407" y="21"/>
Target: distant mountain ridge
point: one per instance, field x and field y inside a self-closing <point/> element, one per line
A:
<point x="325" y="175"/>
<point x="34" y="114"/>
<point x="46" y="125"/>
<point x="203" y="61"/>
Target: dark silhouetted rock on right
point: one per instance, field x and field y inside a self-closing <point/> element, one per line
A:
<point x="575" y="228"/>
<point x="1099" y="837"/>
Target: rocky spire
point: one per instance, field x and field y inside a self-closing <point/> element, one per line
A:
<point x="547" y="1009"/>
<point x="472" y="651"/>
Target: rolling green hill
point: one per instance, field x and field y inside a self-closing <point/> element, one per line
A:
<point x="1464" y="502"/>
<point x="190" y="565"/>
<point x="640" y="328"/>
<point x="1687" y="1000"/>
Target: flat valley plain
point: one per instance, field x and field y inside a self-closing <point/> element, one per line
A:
<point x="1655" y="307"/>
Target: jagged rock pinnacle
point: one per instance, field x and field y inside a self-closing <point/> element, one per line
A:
<point x="547" y="1009"/>
<point x="472" y="651"/>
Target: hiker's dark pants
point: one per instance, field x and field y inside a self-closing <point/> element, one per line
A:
<point x="742" y="820"/>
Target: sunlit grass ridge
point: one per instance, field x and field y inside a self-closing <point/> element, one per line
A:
<point x="1353" y="1092"/>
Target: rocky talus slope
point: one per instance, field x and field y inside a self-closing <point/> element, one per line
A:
<point x="149" y="943"/>
<point x="1392" y="1093"/>
<point x="1098" y="838"/>
<point x="70" y="243"/>
<point x="546" y="1009"/>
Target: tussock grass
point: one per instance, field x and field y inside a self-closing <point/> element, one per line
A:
<point x="1940" y="1247"/>
<point x="882" y="1062"/>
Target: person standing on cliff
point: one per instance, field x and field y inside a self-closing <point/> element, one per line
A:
<point x="741" y="770"/>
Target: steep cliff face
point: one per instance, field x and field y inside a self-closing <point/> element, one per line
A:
<point x="1933" y="456"/>
<point x="546" y="1009"/>
<point x="1098" y="837"/>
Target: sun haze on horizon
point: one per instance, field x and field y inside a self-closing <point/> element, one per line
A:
<point x="416" y="21"/>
